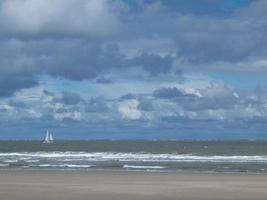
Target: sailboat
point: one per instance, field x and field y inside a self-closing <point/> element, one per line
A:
<point x="48" y="138"/>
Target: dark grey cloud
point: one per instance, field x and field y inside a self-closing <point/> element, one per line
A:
<point x="74" y="59"/>
<point x="16" y="104"/>
<point x="170" y="92"/>
<point x="11" y="84"/>
<point x="212" y="103"/>
<point x="205" y="7"/>
<point x="23" y="59"/>
<point x="233" y="38"/>
<point x="232" y="41"/>
<point x="78" y="60"/>
<point x="48" y="93"/>
<point x="145" y="104"/>
<point x="128" y="96"/>
<point x="154" y="64"/>
<point x="70" y="98"/>
<point x="199" y="40"/>
<point x="17" y="69"/>
<point x="96" y="104"/>
<point x="204" y="40"/>
<point x="68" y="109"/>
<point x="103" y="80"/>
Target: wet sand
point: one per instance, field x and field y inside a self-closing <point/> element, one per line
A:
<point x="108" y="185"/>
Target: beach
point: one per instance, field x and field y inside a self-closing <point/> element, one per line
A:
<point x="19" y="184"/>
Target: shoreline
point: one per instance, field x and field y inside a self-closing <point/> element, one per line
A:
<point x="29" y="184"/>
<point x="91" y="170"/>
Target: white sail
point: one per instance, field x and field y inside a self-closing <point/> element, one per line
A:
<point x="46" y="140"/>
<point x="48" y="137"/>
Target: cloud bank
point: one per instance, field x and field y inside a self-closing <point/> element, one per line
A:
<point x="134" y="65"/>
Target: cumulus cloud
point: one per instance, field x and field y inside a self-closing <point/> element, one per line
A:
<point x="91" y="18"/>
<point x="129" y="109"/>
<point x="215" y="96"/>
<point x="218" y="105"/>
<point x="144" y="104"/>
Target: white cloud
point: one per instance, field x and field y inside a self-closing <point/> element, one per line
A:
<point x="59" y="17"/>
<point x="129" y="109"/>
<point x="33" y="113"/>
<point x="4" y="106"/>
<point x="68" y="115"/>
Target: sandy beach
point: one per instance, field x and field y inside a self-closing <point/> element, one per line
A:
<point x="107" y="185"/>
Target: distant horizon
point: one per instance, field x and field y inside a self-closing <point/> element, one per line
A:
<point x="140" y="136"/>
<point x="144" y="140"/>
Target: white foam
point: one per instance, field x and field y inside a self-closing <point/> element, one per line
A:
<point x="143" y="167"/>
<point x="32" y="161"/>
<point x="127" y="157"/>
<point x="10" y="161"/>
<point x="62" y="165"/>
<point x="78" y="166"/>
<point x="43" y="165"/>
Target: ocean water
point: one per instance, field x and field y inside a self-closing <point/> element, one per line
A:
<point x="212" y="156"/>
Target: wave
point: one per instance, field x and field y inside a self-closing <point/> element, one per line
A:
<point x="32" y="161"/>
<point x="62" y="165"/>
<point x="143" y="167"/>
<point x="10" y="161"/>
<point x="126" y="157"/>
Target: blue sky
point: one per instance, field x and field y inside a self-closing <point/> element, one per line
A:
<point x="133" y="69"/>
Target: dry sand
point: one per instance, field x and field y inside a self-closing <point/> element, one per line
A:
<point x="121" y="185"/>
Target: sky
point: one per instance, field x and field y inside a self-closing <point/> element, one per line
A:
<point x="133" y="69"/>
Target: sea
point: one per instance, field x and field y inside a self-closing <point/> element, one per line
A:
<point x="198" y="156"/>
